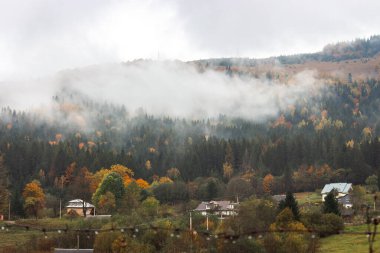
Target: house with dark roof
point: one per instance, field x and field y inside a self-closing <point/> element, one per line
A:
<point x="343" y="192"/>
<point x="220" y="208"/>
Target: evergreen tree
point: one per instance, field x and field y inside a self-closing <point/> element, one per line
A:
<point x="331" y="204"/>
<point x="288" y="180"/>
<point x="291" y="203"/>
<point x="4" y="184"/>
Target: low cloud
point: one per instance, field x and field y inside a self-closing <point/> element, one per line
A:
<point x="167" y="88"/>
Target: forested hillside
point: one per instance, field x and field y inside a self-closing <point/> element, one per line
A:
<point x="331" y="136"/>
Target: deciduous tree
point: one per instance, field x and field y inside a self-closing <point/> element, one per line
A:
<point x="107" y="203"/>
<point x="268" y="182"/>
<point x="34" y="198"/>
<point x="111" y="183"/>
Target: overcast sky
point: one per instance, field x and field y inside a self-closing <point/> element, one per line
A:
<point x="40" y="37"/>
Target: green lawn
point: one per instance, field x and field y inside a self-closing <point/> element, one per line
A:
<point x="347" y="242"/>
<point x="307" y="197"/>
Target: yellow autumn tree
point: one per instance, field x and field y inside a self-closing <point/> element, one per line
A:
<point x="367" y="133"/>
<point x="228" y="170"/>
<point x="97" y="178"/>
<point x="268" y="182"/>
<point x="148" y="165"/>
<point x="124" y="172"/>
<point x="164" y="180"/>
<point x="34" y="198"/>
<point x="292" y="241"/>
<point x="173" y="173"/>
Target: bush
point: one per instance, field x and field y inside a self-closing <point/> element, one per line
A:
<point x="325" y="224"/>
<point x="331" y="224"/>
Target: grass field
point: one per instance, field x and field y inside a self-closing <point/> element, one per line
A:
<point x="15" y="237"/>
<point x="348" y="242"/>
<point x="307" y="197"/>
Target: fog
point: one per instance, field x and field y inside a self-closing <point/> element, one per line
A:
<point x="163" y="88"/>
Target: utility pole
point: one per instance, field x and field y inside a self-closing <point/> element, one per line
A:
<point x="60" y="199"/>
<point x="191" y="233"/>
<point x="9" y="208"/>
<point x="191" y="223"/>
<point x="207" y="222"/>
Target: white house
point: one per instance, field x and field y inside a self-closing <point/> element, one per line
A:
<point x="343" y="191"/>
<point x="76" y="205"/>
<point x="222" y="208"/>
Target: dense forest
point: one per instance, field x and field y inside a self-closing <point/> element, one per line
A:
<point x="333" y="137"/>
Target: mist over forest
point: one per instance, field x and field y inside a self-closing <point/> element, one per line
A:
<point x="192" y="117"/>
<point x="189" y="126"/>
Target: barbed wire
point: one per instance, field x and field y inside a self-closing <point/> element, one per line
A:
<point x="144" y="227"/>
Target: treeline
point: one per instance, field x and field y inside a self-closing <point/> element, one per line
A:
<point x="338" y="129"/>
<point x="342" y="51"/>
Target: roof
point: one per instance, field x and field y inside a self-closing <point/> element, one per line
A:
<point x="77" y="203"/>
<point x="219" y="205"/>
<point x="340" y="187"/>
<point x="278" y="198"/>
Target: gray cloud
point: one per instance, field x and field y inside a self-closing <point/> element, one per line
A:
<point x="41" y="37"/>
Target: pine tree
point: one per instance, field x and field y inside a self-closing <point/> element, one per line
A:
<point x="331" y="204"/>
<point x="288" y="180"/>
<point x="4" y="184"/>
<point x="291" y="203"/>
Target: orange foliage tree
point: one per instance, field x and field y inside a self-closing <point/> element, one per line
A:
<point x="34" y="198"/>
<point x="142" y="183"/>
<point x="268" y="183"/>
